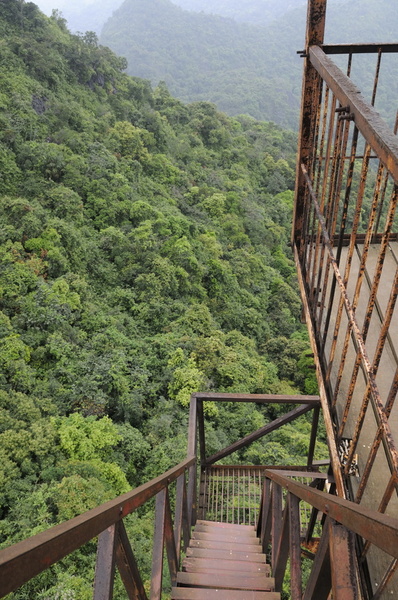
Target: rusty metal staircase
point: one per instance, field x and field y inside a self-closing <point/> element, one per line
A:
<point x="217" y="522"/>
<point x="224" y="561"/>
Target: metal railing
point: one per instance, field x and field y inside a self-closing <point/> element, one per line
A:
<point x="345" y="236"/>
<point x="21" y="562"/>
<point x="335" y="560"/>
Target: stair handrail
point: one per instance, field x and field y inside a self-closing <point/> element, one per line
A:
<point x="335" y="565"/>
<point x="22" y="561"/>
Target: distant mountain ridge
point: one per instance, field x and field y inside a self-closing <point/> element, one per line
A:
<point x="242" y="67"/>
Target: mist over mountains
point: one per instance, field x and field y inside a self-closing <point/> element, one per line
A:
<point x="242" y="67"/>
<point x="241" y="56"/>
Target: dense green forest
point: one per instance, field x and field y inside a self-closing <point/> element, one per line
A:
<point x="246" y="68"/>
<point x="143" y="256"/>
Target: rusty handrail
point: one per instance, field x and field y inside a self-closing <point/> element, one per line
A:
<point x="367" y="119"/>
<point x="334" y="565"/>
<point x="381" y="530"/>
<point x="28" y="558"/>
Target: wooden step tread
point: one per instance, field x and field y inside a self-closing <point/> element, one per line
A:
<point x="256" y="557"/>
<point x="206" y="565"/>
<point x="244" y="530"/>
<point x="231" y="582"/>
<point x="226" y="546"/>
<point x="181" y="593"/>
<point x="221" y="525"/>
<point x="235" y="538"/>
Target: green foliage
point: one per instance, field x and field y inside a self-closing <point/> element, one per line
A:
<point x="143" y="257"/>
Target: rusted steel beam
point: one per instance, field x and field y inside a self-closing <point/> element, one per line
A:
<point x="105" y="565"/>
<point x="259" y="398"/>
<point x="127" y="567"/>
<point x="319" y="582"/>
<point x="295" y="548"/>
<point x="309" y="102"/>
<point x="367" y="119"/>
<point x="381" y="530"/>
<point x="268" y="428"/>
<point x="342" y="563"/>
<point x="24" y="560"/>
<point x="330" y="435"/>
<point x="359" y="48"/>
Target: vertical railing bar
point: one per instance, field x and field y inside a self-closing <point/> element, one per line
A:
<point x="349" y="64"/>
<point x="351" y="249"/>
<point x="158" y="546"/>
<point x="375" y="366"/>
<point x="314" y="515"/>
<point x="201" y="428"/>
<point x="314" y="430"/>
<point x="180" y="484"/>
<point x="376" y="79"/>
<point x="379" y="347"/>
<point x="381" y="206"/>
<point x="329" y="211"/>
<point x="372" y="295"/>
<point x="169" y="539"/>
<point x="192" y="447"/>
<point x="310" y="101"/>
<point x="347" y="196"/>
<point x="317" y="268"/>
<point x="342" y="562"/>
<point x="266" y="515"/>
<point x="317" y="172"/>
<point x="276" y="521"/>
<point x="295" y="548"/>
<point x="217" y="492"/>
<point x="233" y="518"/>
<point x="319" y="581"/>
<point x="127" y="566"/>
<point x="186" y="529"/>
<point x="335" y="202"/>
<point x="222" y="497"/>
<point x="349" y="257"/>
<point x="105" y="564"/>
<point x="250" y="499"/>
<point x="282" y="551"/>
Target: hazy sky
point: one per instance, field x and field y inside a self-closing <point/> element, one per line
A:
<point x="47" y="5"/>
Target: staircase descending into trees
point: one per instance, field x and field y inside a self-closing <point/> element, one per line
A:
<point x="327" y="529"/>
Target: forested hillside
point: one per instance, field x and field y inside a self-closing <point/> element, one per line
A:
<point x="238" y="66"/>
<point x="143" y="256"/>
<point x="242" y="67"/>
